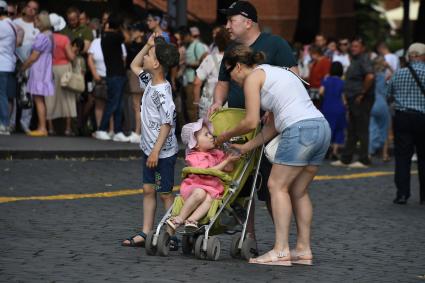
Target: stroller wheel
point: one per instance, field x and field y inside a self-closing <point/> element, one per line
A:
<point x="249" y="248"/>
<point x="163" y="245"/>
<point x="213" y="248"/>
<point x="235" y="252"/>
<point x="199" y="253"/>
<point x="187" y="244"/>
<point x="149" y="247"/>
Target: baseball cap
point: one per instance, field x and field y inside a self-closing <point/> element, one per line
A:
<point x="58" y="23"/>
<point x="168" y="55"/>
<point x="416" y="48"/>
<point x="243" y="8"/>
<point x="3" y="4"/>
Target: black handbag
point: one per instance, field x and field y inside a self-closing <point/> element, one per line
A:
<point x="23" y="98"/>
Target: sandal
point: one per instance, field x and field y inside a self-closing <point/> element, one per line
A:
<point x="174" y="222"/>
<point x="304" y="258"/>
<point x="190" y="226"/>
<point x="273" y="258"/>
<point x="133" y="243"/>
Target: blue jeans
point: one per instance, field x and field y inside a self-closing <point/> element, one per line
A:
<point x="304" y="143"/>
<point x="113" y="106"/>
<point x="7" y="90"/>
<point x="379" y="123"/>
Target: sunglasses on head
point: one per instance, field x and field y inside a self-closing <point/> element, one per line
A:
<point x="230" y="69"/>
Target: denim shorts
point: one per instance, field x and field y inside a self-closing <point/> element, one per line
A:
<point x="162" y="176"/>
<point x="304" y="143"/>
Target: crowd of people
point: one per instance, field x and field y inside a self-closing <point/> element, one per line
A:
<point x="330" y="97"/>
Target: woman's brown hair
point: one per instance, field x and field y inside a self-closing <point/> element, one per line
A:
<point x="244" y="55"/>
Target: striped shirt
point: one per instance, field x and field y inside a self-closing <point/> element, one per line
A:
<point x="405" y="91"/>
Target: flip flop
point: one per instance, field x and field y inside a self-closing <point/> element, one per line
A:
<point x="302" y="258"/>
<point x="273" y="258"/>
<point x="132" y="243"/>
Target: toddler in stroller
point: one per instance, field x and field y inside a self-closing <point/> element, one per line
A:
<point x="221" y="208"/>
<point x="198" y="191"/>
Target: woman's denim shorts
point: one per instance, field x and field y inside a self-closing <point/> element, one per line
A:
<point x="304" y="143"/>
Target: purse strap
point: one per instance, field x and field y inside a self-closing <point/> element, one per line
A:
<point x="416" y="78"/>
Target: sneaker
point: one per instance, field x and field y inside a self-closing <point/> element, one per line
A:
<point x="101" y="135"/>
<point x="111" y="134"/>
<point x="339" y="163"/>
<point x="120" y="137"/>
<point x="358" y="165"/>
<point x="4" y="130"/>
<point x="134" y="138"/>
<point x="414" y="157"/>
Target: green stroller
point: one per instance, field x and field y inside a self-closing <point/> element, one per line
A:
<point x="229" y="214"/>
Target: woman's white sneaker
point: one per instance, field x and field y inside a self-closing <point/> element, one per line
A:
<point x="101" y="135"/>
<point x="135" y="138"/>
<point x="120" y="137"/>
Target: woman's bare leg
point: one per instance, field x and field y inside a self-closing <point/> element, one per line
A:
<point x="41" y="112"/>
<point x="302" y="207"/>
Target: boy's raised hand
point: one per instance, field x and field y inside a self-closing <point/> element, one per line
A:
<point x="151" y="40"/>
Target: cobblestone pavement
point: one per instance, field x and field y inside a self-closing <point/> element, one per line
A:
<point x="358" y="234"/>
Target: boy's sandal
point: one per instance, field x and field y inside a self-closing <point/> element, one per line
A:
<point x="304" y="258"/>
<point x="132" y="243"/>
<point x="273" y="258"/>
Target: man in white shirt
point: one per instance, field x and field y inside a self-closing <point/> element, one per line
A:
<point x="8" y="40"/>
<point x="23" y="52"/>
<point x="390" y="58"/>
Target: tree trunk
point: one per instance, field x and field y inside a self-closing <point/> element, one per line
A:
<point x="308" y="24"/>
<point x="419" y="34"/>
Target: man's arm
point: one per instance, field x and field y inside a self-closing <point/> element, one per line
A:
<point x="220" y="96"/>
<point x="367" y="84"/>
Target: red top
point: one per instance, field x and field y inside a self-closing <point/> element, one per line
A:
<point x="59" y="53"/>
<point x="318" y="71"/>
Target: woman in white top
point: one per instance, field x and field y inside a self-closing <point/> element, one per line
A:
<point x="208" y="72"/>
<point x="304" y="139"/>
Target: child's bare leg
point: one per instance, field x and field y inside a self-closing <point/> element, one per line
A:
<point x="149" y="207"/>
<point x="202" y="210"/>
<point x="194" y="200"/>
<point x="167" y="199"/>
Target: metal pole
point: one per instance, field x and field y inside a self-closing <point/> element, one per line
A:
<point x="406" y="24"/>
<point x="172" y="12"/>
<point x="181" y="19"/>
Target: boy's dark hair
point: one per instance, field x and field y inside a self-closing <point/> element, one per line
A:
<point x="168" y="55"/>
<point x="115" y="21"/>
<point x="79" y="42"/>
<point x="336" y="69"/>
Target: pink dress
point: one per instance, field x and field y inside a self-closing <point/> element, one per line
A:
<point x="211" y="184"/>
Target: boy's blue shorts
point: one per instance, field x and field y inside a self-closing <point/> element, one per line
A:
<point x="162" y="176"/>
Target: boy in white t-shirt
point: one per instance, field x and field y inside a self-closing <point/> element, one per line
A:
<point x="158" y="139"/>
